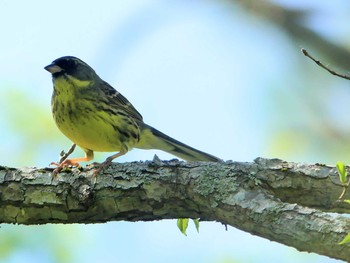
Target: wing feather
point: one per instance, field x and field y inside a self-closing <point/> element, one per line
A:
<point x="116" y="99"/>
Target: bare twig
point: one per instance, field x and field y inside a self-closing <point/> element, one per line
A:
<point x="64" y="155"/>
<point x="319" y="63"/>
<point x="340" y="199"/>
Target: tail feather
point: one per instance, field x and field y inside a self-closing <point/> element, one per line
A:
<point x="151" y="138"/>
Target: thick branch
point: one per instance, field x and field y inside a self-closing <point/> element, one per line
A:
<point x="271" y="198"/>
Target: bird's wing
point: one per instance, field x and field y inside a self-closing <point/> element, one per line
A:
<point x="118" y="100"/>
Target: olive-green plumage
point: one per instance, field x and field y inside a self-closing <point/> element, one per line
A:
<point x="96" y="117"/>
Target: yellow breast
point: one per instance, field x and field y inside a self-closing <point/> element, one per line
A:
<point x="85" y="119"/>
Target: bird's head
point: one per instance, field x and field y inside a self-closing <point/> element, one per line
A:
<point x="70" y="66"/>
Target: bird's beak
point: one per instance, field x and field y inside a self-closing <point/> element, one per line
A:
<point x="53" y="68"/>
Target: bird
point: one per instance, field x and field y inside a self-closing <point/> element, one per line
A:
<point x="98" y="118"/>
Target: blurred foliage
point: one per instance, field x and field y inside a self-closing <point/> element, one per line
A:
<point x="294" y="22"/>
<point x="305" y="127"/>
<point x="228" y="260"/>
<point x="46" y="242"/>
<point x="31" y="123"/>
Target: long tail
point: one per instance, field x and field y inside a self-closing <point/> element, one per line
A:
<point x="153" y="139"/>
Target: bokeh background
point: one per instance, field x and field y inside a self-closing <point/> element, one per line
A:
<point x="225" y="76"/>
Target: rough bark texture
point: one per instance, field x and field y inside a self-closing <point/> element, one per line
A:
<point x="284" y="202"/>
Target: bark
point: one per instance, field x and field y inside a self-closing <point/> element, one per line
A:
<point x="285" y="202"/>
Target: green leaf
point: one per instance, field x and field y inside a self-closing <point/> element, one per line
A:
<point x="342" y="173"/>
<point x="182" y="224"/>
<point x="196" y="223"/>
<point x="347" y="201"/>
<point x="345" y="240"/>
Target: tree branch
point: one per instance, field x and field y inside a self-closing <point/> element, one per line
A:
<point x="284" y="202"/>
<point x="292" y="21"/>
<point x="319" y="63"/>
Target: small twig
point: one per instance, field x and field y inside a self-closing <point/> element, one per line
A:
<point x="345" y="188"/>
<point x="319" y="63"/>
<point x="340" y="199"/>
<point x="64" y="155"/>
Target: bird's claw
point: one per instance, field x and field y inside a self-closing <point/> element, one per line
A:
<point x="63" y="165"/>
<point x="100" y="166"/>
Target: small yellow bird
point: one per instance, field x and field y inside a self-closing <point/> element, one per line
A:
<point x="96" y="117"/>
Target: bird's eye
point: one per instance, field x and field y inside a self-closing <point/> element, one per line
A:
<point x="67" y="65"/>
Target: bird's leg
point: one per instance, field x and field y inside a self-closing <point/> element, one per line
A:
<point x="89" y="155"/>
<point x="108" y="161"/>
